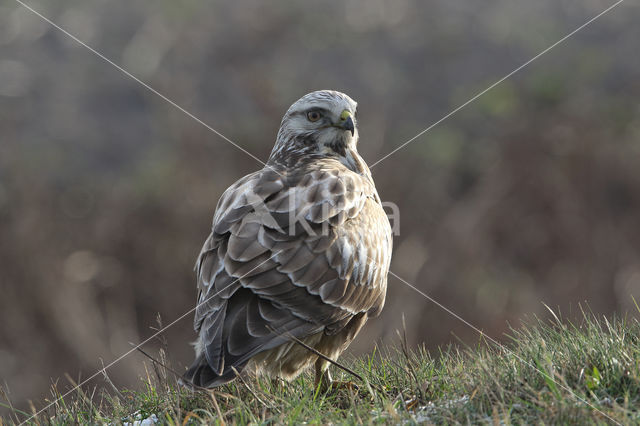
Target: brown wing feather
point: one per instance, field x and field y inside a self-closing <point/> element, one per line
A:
<point x="256" y="273"/>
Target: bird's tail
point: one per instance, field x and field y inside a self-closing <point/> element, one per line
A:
<point x="201" y="375"/>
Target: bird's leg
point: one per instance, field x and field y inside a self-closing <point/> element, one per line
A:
<point x="323" y="377"/>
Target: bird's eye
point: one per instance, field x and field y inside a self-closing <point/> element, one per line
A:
<point x="313" y="116"/>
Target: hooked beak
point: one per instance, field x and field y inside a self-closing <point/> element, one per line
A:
<point x="348" y="125"/>
<point x="346" y="122"/>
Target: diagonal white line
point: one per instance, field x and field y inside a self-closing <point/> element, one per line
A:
<point x="136" y="79"/>
<point x="504" y="348"/>
<point x="148" y="87"/>
<point x="479" y="94"/>
<point x="144" y="342"/>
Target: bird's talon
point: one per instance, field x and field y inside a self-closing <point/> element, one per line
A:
<point x="411" y="404"/>
<point x="340" y="385"/>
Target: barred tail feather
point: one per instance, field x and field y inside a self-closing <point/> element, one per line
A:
<point x="201" y="375"/>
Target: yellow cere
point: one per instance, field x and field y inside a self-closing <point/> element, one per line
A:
<point x="345" y="114"/>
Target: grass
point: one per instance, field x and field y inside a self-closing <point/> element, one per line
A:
<point x="548" y="372"/>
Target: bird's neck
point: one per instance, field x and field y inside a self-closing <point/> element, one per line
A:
<point x="354" y="162"/>
<point x="312" y="159"/>
<point x="307" y="150"/>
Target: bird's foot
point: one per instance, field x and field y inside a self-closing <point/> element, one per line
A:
<point x="337" y="385"/>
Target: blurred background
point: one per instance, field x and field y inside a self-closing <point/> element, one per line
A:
<point x="528" y="196"/>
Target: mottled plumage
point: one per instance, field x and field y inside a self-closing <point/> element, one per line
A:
<point x="300" y="248"/>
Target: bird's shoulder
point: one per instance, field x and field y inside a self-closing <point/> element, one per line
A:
<point x="322" y="191"/>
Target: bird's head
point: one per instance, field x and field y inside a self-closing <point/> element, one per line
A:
<point x="322" y="122"/>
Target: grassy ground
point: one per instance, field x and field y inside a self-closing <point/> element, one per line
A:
<point x="553" y="372"/>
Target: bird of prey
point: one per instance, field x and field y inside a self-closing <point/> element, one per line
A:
<point x="299" y="250"/>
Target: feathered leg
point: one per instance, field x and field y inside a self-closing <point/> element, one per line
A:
<point x="323" y="377"/>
